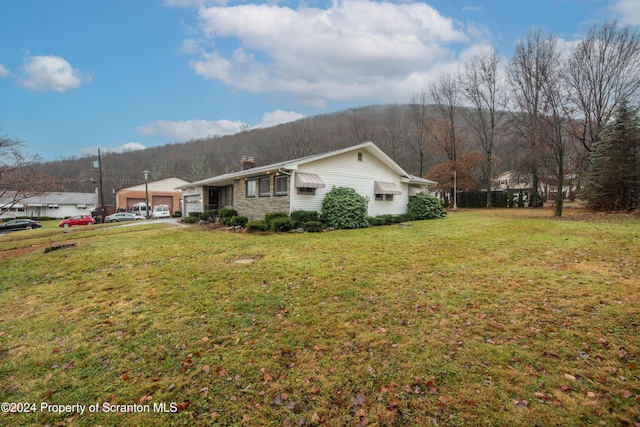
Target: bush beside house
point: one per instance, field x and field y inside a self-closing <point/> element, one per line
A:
<point x="425" y="206"/>
<point x="343" y="208"/>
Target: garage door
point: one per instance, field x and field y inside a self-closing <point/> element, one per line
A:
<point x="192" y="204"/>
<point x="163" y="200"/>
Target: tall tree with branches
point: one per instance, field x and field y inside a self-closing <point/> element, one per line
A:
<point x="419" y="128"/>
<point x="482" y="87"/>
<point x="446" y="96"/>
<point x="391" y="139"/>
<point x="603" y="70"/>
<point x="531" y="72"/>
<point x="20" y="176"/>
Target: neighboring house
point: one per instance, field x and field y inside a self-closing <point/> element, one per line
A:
<point x="54" y="205"/>
<point x="301" y="184"/>
<point x="514" y="182"/>
<point x="161" y="192"/>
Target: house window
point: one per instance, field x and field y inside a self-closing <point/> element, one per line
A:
<point x="252" y="187"/>
<point x="359" y="157"/>
<point x="306" y="190"/>
<point x="385" y="190"/>
<point x="265" y="187"/>
<point x="384" y="197"/>
<point x="280" y="184"/>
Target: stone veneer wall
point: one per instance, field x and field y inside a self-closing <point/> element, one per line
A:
<point x="254" y="208"/>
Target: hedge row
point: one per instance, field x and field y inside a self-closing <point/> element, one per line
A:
<point x="342" y="208"/>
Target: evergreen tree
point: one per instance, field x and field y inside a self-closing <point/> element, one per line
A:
<point x="613" y="181"/>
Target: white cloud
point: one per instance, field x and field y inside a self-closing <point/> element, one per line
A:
<point x="628" y="11"/>
<point x="278" y="117"/>
<point x="51" y="73"/>
<point x="190" y="47"/>
<point x="190" y="129"/>
<point x="352" y="50"/>
<point x="4" y="71"/>
<point x="124" y="148"/>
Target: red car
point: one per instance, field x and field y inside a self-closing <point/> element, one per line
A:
<point x="77" y="220"/>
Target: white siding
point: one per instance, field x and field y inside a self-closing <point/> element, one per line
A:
<point x="345" y="170"/>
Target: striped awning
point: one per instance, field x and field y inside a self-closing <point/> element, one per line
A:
<point x="386" y="188"/>
<point x="308" y="180"/>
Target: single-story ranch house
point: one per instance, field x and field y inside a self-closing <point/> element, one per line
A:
<point x="54" y="205"/>
<point x="301" y="184"/>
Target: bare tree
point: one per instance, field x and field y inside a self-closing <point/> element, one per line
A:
<point x="529" y="72"/>
<point x="603" y="70"/>
<point x="20" y="177"/>
<point x="198" y="170"/>
<point x="419" y="128"/>
<point x="360" y="126"/>
<point x="297" y="139"/>
<point x="446" y="93"/>
<point x="555" y="127"/>
<point x="392" y="140"/>
<point x="482" y="88"/>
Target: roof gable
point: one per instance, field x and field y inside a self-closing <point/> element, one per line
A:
<point x="168" y="183"/>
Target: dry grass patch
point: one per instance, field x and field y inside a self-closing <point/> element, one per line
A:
<point x="480" y="318"/>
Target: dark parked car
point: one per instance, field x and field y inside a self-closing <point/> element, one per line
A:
<point x="77" y="220"/>
<point x="122" y="216"/>
<point x="19" y="224"/>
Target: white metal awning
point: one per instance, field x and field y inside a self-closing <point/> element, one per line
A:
<point x="386" y="188"/>
<point x="308" y="180"/>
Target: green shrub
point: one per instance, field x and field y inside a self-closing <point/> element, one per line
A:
<point x="238" y="221"/>
<point x="210" y="215"/>
<point x="227" y="213"/>
<point x="270" y="216"/>
<point x="381" y="220"/>
<point x="300" y="217"/>
<point x="196" y="215"/>
<point x="259" y="225"/>
<point x="281" y="224"/>
<point x="191" y="219"/>
<point x="312" y="226"/>
<point x="177" y="214"/>
<point x="397" y="219"/>
<point x="343" y="208"/>
<point x="425" y="206"/>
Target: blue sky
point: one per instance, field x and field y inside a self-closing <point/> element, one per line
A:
<point x="76" y="75"/>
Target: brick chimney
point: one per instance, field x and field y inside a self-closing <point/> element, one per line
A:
<point x="247" y="163"/>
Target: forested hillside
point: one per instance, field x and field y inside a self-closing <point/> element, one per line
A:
<point x="391" y="127"/>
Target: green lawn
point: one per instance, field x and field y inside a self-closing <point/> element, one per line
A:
<point x="487" y="317"/>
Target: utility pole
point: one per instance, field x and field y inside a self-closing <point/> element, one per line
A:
<point x="101" y="208"/>
<point x="146" y="192"/>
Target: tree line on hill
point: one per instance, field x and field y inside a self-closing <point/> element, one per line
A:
<point x="547" y="112"/>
